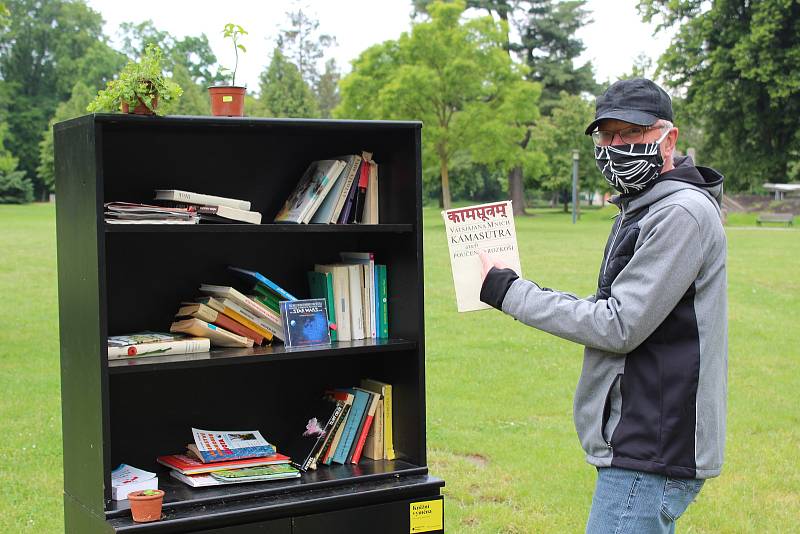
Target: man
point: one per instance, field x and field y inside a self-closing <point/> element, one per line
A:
<point x="650" y="403"/>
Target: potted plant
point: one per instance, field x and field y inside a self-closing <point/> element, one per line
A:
<point x="228" y="100"/>
<point x="146" y="505"/>
<point x="141" y="88"/>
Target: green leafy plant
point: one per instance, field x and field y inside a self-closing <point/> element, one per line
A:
<point x="149" y="492"/>
<point x="141" y="81"/>
<point x="234" y="33"/>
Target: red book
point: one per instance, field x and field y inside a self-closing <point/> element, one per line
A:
<point x="361" y="193"/>
<point x="238" y="328"/>
<point x="189" y="466"/>
<point x="365" y="430"/>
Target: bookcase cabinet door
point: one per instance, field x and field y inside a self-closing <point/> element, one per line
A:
<point x="386" y="518"/>
<point x="277" y="526"/>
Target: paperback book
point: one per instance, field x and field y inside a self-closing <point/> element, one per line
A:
<point x="485" y="227"/>
<point x="187" y="465"/>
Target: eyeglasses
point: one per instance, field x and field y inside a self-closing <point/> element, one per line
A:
<point x="631" y="135"/>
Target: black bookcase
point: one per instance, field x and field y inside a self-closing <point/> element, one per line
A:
<point x="118" y="279"/>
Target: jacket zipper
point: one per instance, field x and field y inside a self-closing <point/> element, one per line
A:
<point x="614" y="240"/>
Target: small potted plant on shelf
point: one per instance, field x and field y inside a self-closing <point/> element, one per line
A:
<point x="141" y="88"/>
<point x="146" y="505"/>
<point x="228" y="100"/>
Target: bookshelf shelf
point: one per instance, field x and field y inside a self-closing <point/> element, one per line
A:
<point x="120" y="279"/>
<point x="257" y="355"/>
<point x="260" y="228"/>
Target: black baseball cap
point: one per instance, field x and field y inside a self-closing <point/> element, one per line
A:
<point x="638" y="101"/>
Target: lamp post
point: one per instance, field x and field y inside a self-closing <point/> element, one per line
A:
<point x="575" y="157"/>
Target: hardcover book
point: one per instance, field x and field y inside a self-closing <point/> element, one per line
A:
<point x="305" y="322"/>
<point x="485" y="227"/>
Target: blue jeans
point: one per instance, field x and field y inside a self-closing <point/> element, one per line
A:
<point x="635" y="502"/>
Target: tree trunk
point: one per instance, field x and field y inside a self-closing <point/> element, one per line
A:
<point x="445" y="182"/>
<point x="515" y="191"/>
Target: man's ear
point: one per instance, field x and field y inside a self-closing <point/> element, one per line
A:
<point x="668" y="145"/>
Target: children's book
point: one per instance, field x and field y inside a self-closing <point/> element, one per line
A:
<point x="227" y="445"/>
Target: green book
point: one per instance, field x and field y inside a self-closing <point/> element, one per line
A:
<point x="321" y="287"/>
<point x="266" y="294"/>
<point x="383" y="303"/>
<point x="268" y="304"/>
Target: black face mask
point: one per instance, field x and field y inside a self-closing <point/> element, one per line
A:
<point x="629" y="168"/>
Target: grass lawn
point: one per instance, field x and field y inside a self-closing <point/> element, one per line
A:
<point x="499" y="393"/>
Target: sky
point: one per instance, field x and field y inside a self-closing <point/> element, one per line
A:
<point x="358" y="24"/>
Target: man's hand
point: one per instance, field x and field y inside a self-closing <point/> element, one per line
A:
<point x="487" y="262"/>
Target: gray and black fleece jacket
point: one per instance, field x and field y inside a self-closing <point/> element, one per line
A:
<point x="652" y="392"/>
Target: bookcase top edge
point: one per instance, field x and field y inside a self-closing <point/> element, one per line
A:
<point x="207" y="120"/>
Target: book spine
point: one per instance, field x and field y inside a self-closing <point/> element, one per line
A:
<point x="226" y="322"/>
<point x="373" y="446"/>
<point x="349" y="432"/>
<point x="384" y="298"/>
<point x="361" y="194"/>
<point x="359" y="429"/>
<point x="356" y="304"/>
<point x="348" y="184"/>
<point x="337" y="436"/>
<point x="388" y="433"/>
<point x="327" y="430"/>
<point x="199" y="198"/>
<point x="236" y="315"/>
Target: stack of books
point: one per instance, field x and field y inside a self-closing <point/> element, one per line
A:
<point x="131" y="213"/>
<point x="210" y="208"/>
<point x="228" y="457"/>
<point x="344" y="425"/>
<point x="358" y="288"/>
<point x="341" y="190"/>
<point x="154" y="344"/>
<point x="229" y="318"/>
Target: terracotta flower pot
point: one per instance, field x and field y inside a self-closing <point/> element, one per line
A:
<point x="146" y="508"/>
<point x="227" y="100"/>
<point x="141" y="108"/>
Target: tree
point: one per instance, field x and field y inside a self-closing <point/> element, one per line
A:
<point x="738" y="63"/>
<point x="194" y="100"/>
<point x="74" y="107"/>
<point x="303" y="45"/>
<point x="42" y="50"/>
<point x="458" y="79"/>
<point x="284" y="92"/>
<point x="558" y="135"/>
<point x="328" y="89"/>
<point x="192" y="52"/>
<point x="549" y="47"/>
<point x="15" y="188"/>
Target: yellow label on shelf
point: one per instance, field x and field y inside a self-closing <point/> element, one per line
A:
<point x="426" y="516"/>
<point x="227" y="98"/>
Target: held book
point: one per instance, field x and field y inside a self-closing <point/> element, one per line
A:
<point x="484" y="227"/>
<point x="183" y="463"/>
<point x="187" y="197"/>
<point x="227" y="445"/>
<point x="305" y="322"/>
